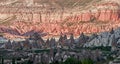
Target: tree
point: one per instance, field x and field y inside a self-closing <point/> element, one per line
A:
<point x="83" y="38"/>
<point x="30" y="62"/>
<point x="2" y="59"/>
<point x="68" y="61"/>
<point x="36" y="36"/>
<point x="61" y="38"/>
<point x="112" y="31"/>
<point x="72" y="61"/>
<point x="65" y="37"/>
<point x="71" y="38"/>
<point x="87" y="61"/>
<point x="13" y="61"/>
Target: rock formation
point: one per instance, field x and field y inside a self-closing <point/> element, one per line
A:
<point x="98" y="17"/>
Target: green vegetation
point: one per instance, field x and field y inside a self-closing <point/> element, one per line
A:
<point x="2" y="60"/>
<point x="39" y="51"/>
<point x="87" y="61"/>
<point x="110" y="58"/>
<point x="13" y="61"/>
<point x="72" y="61"/>
<point x="107" y="48"/>
<point x="75" y="61"/>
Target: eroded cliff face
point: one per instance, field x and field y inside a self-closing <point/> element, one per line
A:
<point x="98" y="17"/>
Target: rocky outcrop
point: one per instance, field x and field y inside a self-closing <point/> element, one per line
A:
<point x="55" y="29"/>
<point x="110" y="38"/>
<point x="100" y="17"/>
<point x="101" y="12"/>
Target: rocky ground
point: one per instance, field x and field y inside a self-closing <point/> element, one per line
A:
<point x="52" y="18"/>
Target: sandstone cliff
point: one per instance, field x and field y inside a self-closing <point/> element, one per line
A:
<point x="90" y="18"/>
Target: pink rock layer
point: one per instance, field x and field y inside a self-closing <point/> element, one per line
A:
<point x="88" y="22"/>
<point x="22" y="29"/>
<point x="100" y="15"/>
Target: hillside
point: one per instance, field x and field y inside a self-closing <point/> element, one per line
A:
<point x="53" y="17"/>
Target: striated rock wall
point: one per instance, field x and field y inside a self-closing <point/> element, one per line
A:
<point x="98" y="18"/>
<point x="100" y="15"/>
<point x="55" y="29"/>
